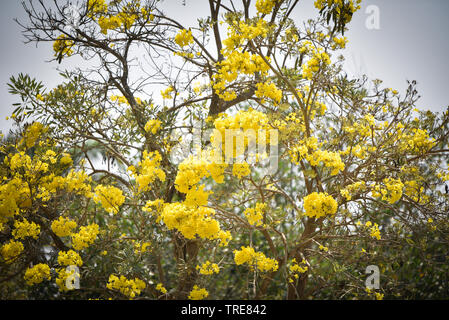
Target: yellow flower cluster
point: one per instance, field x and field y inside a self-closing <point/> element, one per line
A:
<point x="141" y="247"/>
<point x="160" y="287"/>
<point x="130" y="288"/>
<point x="11" y="250"/>
<point x="75" y="181"/>
<point x="296" y="268"/>
<point x="353" y="189"/>
<point x="119" y="99"/>
<point x="69" y="258"/>
<point x="24" y="228"/>
<point x="149" y="170"/>
<point x="184" y="38"/>
<point x="63" y="227"/>
<point x="318" y="59"/>
<point x="375" y="232"/>
<point x="66" y="160"/>
<point x="109" y="23"/>
<point x="158" y="205"/>
<point x="235" y="64"/>
<point x="37" y="274"/>
<point x="255" y="215"/>
<point x="265" y="6"/>
<point x="252" y="258"/>
<point x="198" y="293"/>
<point x="208" y="268"/>
<point x="268" y="90"/>
<point x="241" y="170"/>
<point x="190" y="172"/>
<point x="308" y="149"/>
<point x="14" y="194"/>
<point x="166" y="94"/>
<point x="339" y="42"/>
<point x="240" y="32"/>
<point x="244" y="126"/>
<point x="319" y="204"/>
<point x="96" y="6"/>
<point x="197" y="196"/>
<point x="330" y="159"/>
<point x="85" y="237"/>
<point x="417" y="141"/>
<point x="33" y="132"/>
<point x="110" y="197"/>
<point x="63" y="275"/>
<point x="191" y="221"/>
<point x="391" y="191"/>
<point x="153" y="126"/>
<point x="63" y="46"/>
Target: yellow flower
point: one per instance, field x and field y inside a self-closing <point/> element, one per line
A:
<point x="130" y="288"/>
<point x="153" y="126"/>
<point x="63" y="227"/>
<point x="11" y="250"/>
<point x="208" y="268"/>
<point x="85" y="237"/>
<point x="198" y="293"/>
<point x="110" y="197"/>
<point x="24" y="228"/>
<point x="184" y="38"/>
<point x="319" y="205"/>
<point x="160" y="287"/>
<point x="37" y="274"/>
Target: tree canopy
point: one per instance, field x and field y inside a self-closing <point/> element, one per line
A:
<point x="137" y="176"/>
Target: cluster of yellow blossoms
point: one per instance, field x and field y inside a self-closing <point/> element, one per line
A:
<point x="148" y="170"/>
<point x="318" y="59"/>
<point x="11" y="250"/>
<point x="110" y="197"/>
<point x="63" y="46"/>
<point x="246" y="127"/>
<point x="37" y="274"/>
<point x="268" y="90"/>
<point x="161" y="288"/>
<point x="129" y="287"/>
<point x="198" y="293"/>
<point x="85" y="237"/>
<point x="184" y="38"/>
<point x="319" y="204"/>
<point x="296" y="268"/>
<point x="24" y="228"/>
<point x="241" y="170"/>
<point x="248" y="256"/>
<point x="153" y="126"/>
<point x="265" y="6"/>
<point x="390" y="191"/>
<point x="191" y="221"/>
<point x="308" y="149"/>
<point x="69" y="258"/>
<point x="350" y="190"/>
<point x="255" y="215"/>
<point x="208" y="268"/>
<point x="63" y="227"/>
<point x="241" y="63"/>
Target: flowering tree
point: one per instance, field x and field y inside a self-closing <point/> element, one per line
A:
<point x="95" y="204"/>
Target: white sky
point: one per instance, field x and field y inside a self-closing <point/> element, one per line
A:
<point x="411" y="44"/>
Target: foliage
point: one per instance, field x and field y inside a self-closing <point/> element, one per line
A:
<point x="90" y="177"/>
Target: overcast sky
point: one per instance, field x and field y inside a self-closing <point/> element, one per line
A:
<point x="411" y="44"/>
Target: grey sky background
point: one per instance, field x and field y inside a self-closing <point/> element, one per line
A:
<point x="411" y="44"/>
